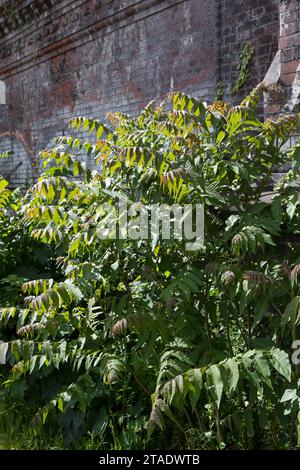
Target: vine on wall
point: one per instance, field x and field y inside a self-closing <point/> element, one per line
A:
<point x="243" y="67"/>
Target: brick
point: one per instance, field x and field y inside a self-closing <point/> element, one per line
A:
<point x="285" y="42"/>
<point x="290" y="67"/>
<point x="272" y="28"/>
<point x="258" y="11"/>
<point x="288" y="78"/>
<point x="288" y="55"/>
<point x="296" y="39"/>
<point x="93" y="56"/>
<point x="243" y="35"/>
<point x="266" y="39"/>
<point x="287" y="29"/>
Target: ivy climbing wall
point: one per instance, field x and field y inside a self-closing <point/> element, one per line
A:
<point x="87" y="57"/>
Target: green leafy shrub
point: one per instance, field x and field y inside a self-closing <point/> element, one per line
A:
<point x="129" y="337"/>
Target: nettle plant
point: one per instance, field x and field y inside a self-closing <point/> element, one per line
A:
<point x="134" y="336"/>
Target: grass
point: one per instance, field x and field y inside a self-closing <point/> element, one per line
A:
<point x="18" y="433"/>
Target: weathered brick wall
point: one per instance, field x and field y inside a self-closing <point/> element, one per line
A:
<point x="289" y="47"/>
<point x="253" y="22"/>
<point x="284" y="73"/>
<point x="87" y="57"/>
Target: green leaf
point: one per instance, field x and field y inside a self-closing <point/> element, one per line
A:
<point x="45" y="300"/>
<point x="280" y="361"/>
<point x="60" y="404"/>
<point x="194" y="378"/>
<point x="74" y="245"/>
<point x="262" y="367"/>
<point x="3" y="184"/>
<point x="233" y="368"/>
<point x="289" y="395"/>
<point x="215" y="384"/>
<point x="101" y="423"/>
<point x="33" y="361"/>
<point x="63" y="293"/>
<point x="44" y="415"/>
<point x="291" y="209"/>
<point x="260" y="309"/>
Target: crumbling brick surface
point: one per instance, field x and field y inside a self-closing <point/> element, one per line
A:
<point x="87" y="57"/>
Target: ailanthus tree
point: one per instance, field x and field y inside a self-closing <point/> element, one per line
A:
<point x="131" y="337"/>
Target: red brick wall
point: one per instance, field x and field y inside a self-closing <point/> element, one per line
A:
<point x="284" y="73"/>
<point x="90" y="57"/>
<point x="62" y="58"/>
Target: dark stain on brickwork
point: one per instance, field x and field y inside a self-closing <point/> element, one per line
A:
<point x="90" y="57"/>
